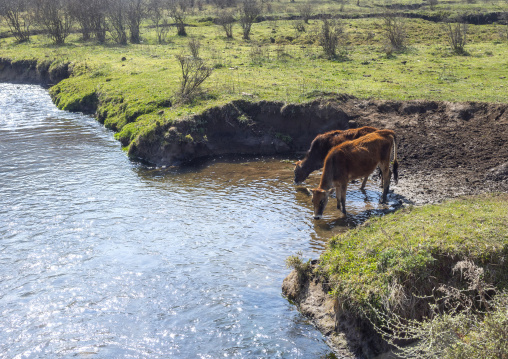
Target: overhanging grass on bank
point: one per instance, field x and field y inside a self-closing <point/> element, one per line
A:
<point x="411" y="252"/>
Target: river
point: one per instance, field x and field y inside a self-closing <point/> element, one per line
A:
<point x="102" y="257"/>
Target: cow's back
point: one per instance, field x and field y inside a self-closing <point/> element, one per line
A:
<point x="359" y="157"/>
<point x="349" y="135"/>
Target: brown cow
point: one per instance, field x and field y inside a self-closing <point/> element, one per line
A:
<point x="320" y="147"/>
<point x="355" y="159"/>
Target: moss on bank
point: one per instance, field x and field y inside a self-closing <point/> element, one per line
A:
<point x="394" y="262"/>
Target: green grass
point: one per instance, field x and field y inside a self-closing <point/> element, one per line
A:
<point x="137" y="95"/>
<point x="415" y="248"/>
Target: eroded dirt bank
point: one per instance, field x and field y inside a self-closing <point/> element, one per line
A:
<point x="45" y="73"/>
<point x="445" y="149"/>
<point x="349" y="336"/>
<point x="241" y="128"/>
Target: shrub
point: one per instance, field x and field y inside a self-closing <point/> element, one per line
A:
<point x="135" y="14"/>
<point x="194" y="73"/>
<point x="178" y="11"/>
<point x="395" y="32"/>
<point x="19" y="17"/>
<point x="226" y="20"/>
<point x="457" y="36"/>
<point x="117" y="20"/>
<point x="157" y="15"/>
<point x="333" y="38"/>
<point x="194" y="46"/>
<point x="249" y="11"/>
<point x="306" y="12"/>
<point x="54" y="16"/>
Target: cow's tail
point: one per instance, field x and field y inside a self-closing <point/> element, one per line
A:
<point x="395" y="162"/>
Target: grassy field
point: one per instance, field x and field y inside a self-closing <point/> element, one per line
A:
<point x="415" y="244"/>
<point x="135" y="82"/>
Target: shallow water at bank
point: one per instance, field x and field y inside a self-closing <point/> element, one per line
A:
<point x="103" y="257"/>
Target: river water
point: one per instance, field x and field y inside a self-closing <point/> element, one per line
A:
<point x="101" y="257"/>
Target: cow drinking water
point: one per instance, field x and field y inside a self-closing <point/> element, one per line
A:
<point x="355" y="159"/>
<point x="320" y="147"/>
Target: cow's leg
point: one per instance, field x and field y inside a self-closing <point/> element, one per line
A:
<point x="343" y="190"/>
<point x="338" y="195"/>
<point x="385" y="170"/>
<point x="364" y="182"/>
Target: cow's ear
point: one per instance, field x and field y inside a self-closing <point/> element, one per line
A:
<point x="309" y="191"/>
<point x="330" y="191"/>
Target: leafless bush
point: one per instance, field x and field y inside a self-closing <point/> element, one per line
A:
<point x="91" y="18"/>
<point x="457" y="36"/>
<point x="306" y="12"/>
<point x="333" y="38"/>
<point x="249" y="11"/>
<point x="194" y="46"/>
<point x="117" y="21"/>
<point x="178" y="12"/>
<point x="157" y="15"/>
<point x="54" y="16"/>
<point x="258" y="54"/>
<point x="194" y="73"/>
<point x="136" y="10"/>
<point x="226" y="20"/>
<point x="299" y="26"/>
<point x="221" y="4"/>
<point x="395" y="31"/>
<point x="18" y="15"/>
<point x="81" y="13"/>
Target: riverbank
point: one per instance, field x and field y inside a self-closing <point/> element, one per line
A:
<point x="277" y="75"/>
<point x="447" y="148"/>
<point x="398" y="266"/>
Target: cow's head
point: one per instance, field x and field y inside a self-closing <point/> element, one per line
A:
<point x="300" y="173"/>
<point x="319" y="200"/>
